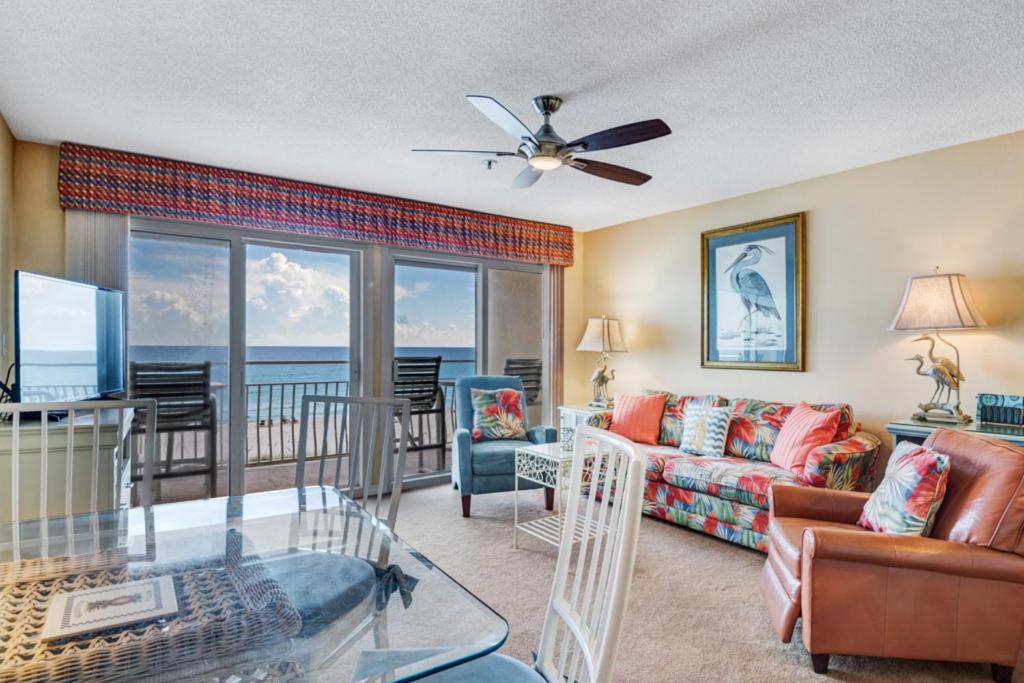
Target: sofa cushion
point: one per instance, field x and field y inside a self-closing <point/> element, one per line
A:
<point x="655" y="458"/>
<point x="910" y="494"/>
<point x="726" y="519"/>
<point x="496" y="457"/>
<point x="754" y="428"/>
<point x="730" y="478"/>
<point x="638" y="418"/>
<point x="756" y="424"/>
<point x="671" y="433"/>
<point x="497" y="414"/>
<point x="804" y="430"/>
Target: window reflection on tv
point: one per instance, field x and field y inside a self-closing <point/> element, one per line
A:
<point x="69" y="339"/>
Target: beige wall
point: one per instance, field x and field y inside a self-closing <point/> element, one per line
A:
<point x="868" y="229"/>
<point x="6" y="234"/>
<point x="38" y="218"/>
<point x="31" y="220"/>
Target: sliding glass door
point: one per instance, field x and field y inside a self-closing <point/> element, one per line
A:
<point x="435" y="342"/>
<point x="298" y="337"/>
<point x="277" y="320"/>
<point x="514" y="312"/>
<point x="472" y="316"/>
<point x="179" y="312"/>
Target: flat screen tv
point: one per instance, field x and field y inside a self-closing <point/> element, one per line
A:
<point x="68" y="339"/>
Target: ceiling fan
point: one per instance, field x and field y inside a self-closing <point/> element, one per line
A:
<point x="545" y="150"/>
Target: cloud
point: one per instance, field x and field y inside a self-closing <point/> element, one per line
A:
<point x="292" y="304"/>
<point x="402" y="293"/>
<point x="170" y="318"/>
<point x="424" y="333"/>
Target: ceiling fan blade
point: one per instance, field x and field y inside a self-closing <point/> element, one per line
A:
<point x="467" y="151"/>
<point x="619" y="174"/>
<point x="502" y="117"/>
<point x="629" y="134"/>
<point x="528" y="176"/>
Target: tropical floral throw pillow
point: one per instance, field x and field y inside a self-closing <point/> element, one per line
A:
<point x="704" y="430"/>
<point x="910" y="494"/>
<point x="497" y="414"/>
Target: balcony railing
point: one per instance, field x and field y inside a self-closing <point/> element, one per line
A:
<point x="273" y="411"/>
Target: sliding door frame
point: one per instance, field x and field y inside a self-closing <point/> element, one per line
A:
<point x="361" y="337"/>
<point x="391" y="257"/>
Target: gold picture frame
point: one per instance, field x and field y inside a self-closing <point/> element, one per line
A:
<point x="766" y="278"/>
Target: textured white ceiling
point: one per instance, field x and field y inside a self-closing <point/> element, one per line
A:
<point x="758" y="93"/>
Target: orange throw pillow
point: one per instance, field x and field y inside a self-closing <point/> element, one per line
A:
<point x="638" y="418"/>
<point x="804" y="430"/>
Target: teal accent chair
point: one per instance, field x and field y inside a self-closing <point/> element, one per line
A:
<point x="489" y="466"/>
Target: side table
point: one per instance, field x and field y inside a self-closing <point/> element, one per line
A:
<point x="916" y="431"/>
<point x="549" y="465"/>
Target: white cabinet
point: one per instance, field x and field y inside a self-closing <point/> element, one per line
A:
<point x="570" y="417"/>
<point x="97" y="461"/>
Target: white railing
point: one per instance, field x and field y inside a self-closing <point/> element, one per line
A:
<point x="273" y="410"/>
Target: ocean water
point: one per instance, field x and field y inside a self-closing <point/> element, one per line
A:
<point x="277" y="377"/>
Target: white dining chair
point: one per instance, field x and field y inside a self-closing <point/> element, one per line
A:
<point x="373" y="432"/>
<point x="76" y="437"/>
<point x="76" y="459"/>
<point x="593" y="575"/>
<point x="346" y="547"/>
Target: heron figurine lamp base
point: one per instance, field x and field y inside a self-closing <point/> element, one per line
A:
<point x="940" y="301"/>
<point x="603" y="335"/>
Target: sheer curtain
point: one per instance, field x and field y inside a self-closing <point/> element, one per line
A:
<point x="96" y="248"/>
<point x="554" y="342"/>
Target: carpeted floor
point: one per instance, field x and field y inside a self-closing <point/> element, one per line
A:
<point x="694" y="612"/>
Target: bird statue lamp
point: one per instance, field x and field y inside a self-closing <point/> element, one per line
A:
<point x="931" y="303"/>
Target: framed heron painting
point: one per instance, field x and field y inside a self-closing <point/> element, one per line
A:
<point x="753" y="295"/>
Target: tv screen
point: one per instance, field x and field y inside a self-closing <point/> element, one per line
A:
<point x="69" y="339"/>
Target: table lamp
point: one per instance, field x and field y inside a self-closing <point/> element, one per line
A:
<point x="931" y="303"/>
<point x="603" y="335"/>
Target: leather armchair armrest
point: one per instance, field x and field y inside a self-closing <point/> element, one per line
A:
<point x="824" y="504"/>
<point x="542" y="434"/>
<point x="910" y="552"/>
<point x="462" y="461"/>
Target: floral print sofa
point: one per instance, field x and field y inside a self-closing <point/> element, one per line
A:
<point x="727" y="497"/>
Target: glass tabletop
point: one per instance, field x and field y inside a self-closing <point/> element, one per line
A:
<point x="290" y="585"/>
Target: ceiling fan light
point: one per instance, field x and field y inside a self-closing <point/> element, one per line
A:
<point x="543" y="162"/>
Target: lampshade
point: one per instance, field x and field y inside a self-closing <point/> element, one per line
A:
<point x="602" y="335"/>
<point x="937" y="302"/>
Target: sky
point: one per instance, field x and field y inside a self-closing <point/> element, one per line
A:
<point x="294" y="297"/>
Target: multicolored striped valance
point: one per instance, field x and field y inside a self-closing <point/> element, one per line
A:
<point x="94" y="179"/>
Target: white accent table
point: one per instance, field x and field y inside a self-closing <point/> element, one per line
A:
<point x="546" y="464"/>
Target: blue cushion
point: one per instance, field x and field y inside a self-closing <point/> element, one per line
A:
<point x="496" y="457"/>
<point x="323" y="587"/>
<point x="492" y="668"/>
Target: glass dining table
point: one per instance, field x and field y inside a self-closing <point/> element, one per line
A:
<point x="289" y="585"/>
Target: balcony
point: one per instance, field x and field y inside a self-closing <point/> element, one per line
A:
<point x="273" y="412"/>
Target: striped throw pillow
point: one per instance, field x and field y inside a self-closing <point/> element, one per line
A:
<point x="804" y="430"/>
<point x="704" y="430"/>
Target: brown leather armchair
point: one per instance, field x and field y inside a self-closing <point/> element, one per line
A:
<point x="956" y="595"/>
